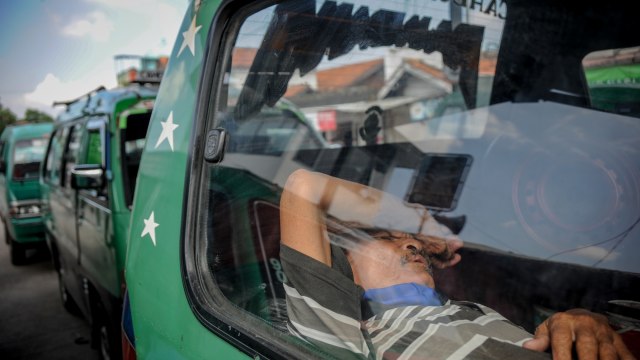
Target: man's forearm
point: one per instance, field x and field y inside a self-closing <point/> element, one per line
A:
<point x="308" y="197"/>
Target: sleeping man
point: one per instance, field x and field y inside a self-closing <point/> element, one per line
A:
<point x="358" y="263"/>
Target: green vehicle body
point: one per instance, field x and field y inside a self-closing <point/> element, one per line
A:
<point x="18" y="191"/>
<point x="161" y="316"/>
<point x="86" y="182"/>
<point x="613" y="88"/>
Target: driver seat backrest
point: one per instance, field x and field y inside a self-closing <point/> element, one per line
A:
<point x="266" y="240"/>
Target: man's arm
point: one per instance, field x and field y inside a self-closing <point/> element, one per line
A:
<point x="302" y="208"/>
<point x="308" y="197"/>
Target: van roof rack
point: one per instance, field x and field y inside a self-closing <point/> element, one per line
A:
<point x="146" y="81"/>
<point x="69" y="102"/>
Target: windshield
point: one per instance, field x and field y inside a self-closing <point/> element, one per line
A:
<point x="27" y="155"/>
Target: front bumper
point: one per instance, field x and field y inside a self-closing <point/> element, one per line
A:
<point x="26" y="230"/>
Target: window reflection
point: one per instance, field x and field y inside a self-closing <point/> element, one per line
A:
<point x="613" y="77"/>
<point x="543" y="188"/>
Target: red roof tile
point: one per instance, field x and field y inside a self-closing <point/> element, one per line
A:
<point x="487" y="66"/>
<point x="293" y="90"/>
<point x="243" y="57"/>
<point x="345" y="76"/>
<point x="428" y="69"/>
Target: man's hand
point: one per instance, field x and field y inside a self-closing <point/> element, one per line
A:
<point x="591" y="334"/>
<point x="442" y="252"/>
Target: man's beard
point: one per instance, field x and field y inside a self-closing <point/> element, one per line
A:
<point x="407" y="258"/>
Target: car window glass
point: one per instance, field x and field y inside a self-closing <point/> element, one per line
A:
<point x="2" y="144"/>
<point x="613" y="78"/>
<point x="27" y="155"/>
<point x="54" y="157"/>
<point x="132" y="137"/>
<point x="48" y="161"/>
<point x="71" y="153"/>
<point x="440" y="108"/>
<point x="303" y="109"/>
<point x="94" y="148"/>
<point x="94" y="154"/>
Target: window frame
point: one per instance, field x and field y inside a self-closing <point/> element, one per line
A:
<point x="12" y="156"/>
<point x="128" y="190"/>
<point x="76" y="128"/>
<point x="3" y="146"/>
<point x="46" y="173"/>
<point x="238" y="327"/>
<point x="212" y="309"/>
<point x="96" y="124"/>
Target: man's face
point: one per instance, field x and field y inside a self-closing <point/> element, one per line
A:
<point x="391" y="258"/>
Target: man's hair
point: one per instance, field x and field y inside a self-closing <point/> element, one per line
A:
<point x="348" y="234"/>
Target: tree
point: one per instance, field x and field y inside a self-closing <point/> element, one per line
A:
<point x="36" y="116"/>
<point x="7" y="117"/>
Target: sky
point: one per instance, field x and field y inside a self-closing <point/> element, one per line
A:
<point x="61" y="49"/>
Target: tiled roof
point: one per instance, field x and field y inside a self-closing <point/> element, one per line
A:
<point x="293" y="90"/>
<point x="428" y="69"/>
<point x="243" y="57"/>
<point x="487" y="66"/>
<point x="348" y="75"/>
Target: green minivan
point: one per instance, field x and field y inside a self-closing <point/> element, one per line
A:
<point x="87" y="181"/>
<point x="22" y="149"/>
<point x="542" y="186"/>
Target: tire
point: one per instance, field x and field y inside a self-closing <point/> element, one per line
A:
<point x="108" y="346"/>
<point x="18" y="253"/>
<point x="67" y="301"/>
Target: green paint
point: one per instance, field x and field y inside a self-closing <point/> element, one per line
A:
<point x="621" y="75"/>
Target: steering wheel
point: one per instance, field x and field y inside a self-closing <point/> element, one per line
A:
<point x="569" y="190"/>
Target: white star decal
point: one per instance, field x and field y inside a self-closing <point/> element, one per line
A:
<point x="150" y="226"/>
<point x="189" y="37"/>
<point x="167" y="131"/>
<point x="196" y="5"/>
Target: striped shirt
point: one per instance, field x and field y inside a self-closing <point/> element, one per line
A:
<point x="326" y="309"/>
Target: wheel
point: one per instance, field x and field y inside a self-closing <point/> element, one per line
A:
<point x="67" y="301"/>
<point x="18" y="252"/>
<point x="107" y="343"/>
<point x="104" y="346"/>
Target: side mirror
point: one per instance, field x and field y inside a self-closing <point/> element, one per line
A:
<point x="87" y="176"/>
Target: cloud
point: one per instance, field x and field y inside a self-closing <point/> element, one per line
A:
<point x="138" y="6"/>
<point x="52" y="88"/>
<point x="48" y="90"/>
<point x="113" y="27"/>
<point x="96" y="26"/>
<point x="159" y="32"/>
<point x="140" y="27"/>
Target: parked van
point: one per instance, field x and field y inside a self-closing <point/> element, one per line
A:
<point x="543" y="187"/>
<point x="87" y="182"/>
<point x="21" y="151"/>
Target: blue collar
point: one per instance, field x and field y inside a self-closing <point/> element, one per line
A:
<point x="404" y="295"/>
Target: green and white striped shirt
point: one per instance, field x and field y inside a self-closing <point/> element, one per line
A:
<point x="325" y="308"/>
